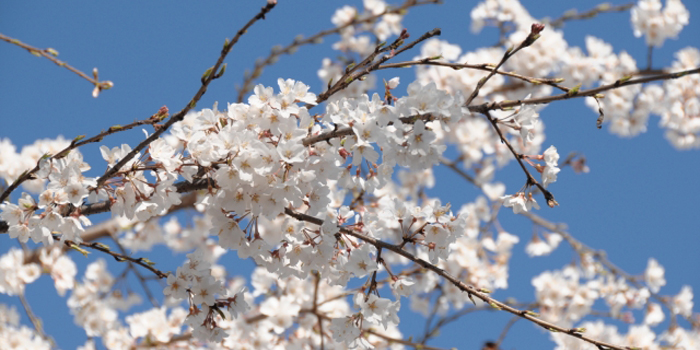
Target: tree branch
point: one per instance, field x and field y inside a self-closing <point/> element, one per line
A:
<point x="625" y="81"/>
<point x="51" y="55"/>
<point x="294" y="46"/>
<point x="472" y="291"/>
<point x="211" y="74"/>
<point x="81" y="141"/>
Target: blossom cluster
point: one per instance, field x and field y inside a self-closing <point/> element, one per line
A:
<point x="322" y="197"/>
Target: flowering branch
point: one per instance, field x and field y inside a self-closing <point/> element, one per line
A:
<point x="595" y="92"/>
<point x="368" y="65"/>
<point x="81" y="141"/>
<point x="489" y="67"/>
<point x="211" y="74"/>
<point x="276" y="52"/>
<point x="548" y="196"/>
<point x="529" y="40"/>
<point x="51" y="55"/>
<point x="470" y="290"/>
<point x="583" y="249"/>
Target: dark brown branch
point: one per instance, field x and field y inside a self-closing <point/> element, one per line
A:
<point x="548" y="196"/>
<point x="346" y="131"/>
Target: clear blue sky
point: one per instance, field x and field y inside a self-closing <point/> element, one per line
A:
<point x="638" y="201"/>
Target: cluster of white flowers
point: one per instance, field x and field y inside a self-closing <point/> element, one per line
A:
<point x="567" y="296"/>
<point x="657" y="25"/>
<point x="16" y="337"/>
<point x="268" y="157"/>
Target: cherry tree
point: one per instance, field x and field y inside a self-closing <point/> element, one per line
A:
<point x="327" y="193"/>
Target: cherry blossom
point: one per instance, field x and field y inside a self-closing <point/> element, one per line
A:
<point x="324" y="198"/>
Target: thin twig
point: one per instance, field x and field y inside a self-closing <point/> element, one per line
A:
<point x="427" y="331"/>
<point x="140" y="277"/>
<point x="51" y="54"/>
<point x="369" y="65"/>
<point x="35" y="320"/>
<point x="548" y="196"/>
<point x="401" y="341"/>
<point x="506" y="329"/>
<point x="143" y="262"/>
<point x="488" y="67"/>
<point x="574" y="15"/>
<point x="453" y="165"/>
<point x="529" y="40"/>
<point x="317" y="281"/>
<point x="81" y="141"/>
<point x="275" y="53"/>
<point x="625" y="81"/>
<point x="210" y="75"/>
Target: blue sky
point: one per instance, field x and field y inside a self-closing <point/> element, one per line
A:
<point x="638" y="201"/>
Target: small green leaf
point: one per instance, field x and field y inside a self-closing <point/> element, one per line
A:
<point x="532" y="313"/>
<point x="222" y="71"/>
<point x="78" y="138"/>
<point x="52" y="51"/>
<point x="207" y="73"/>
<point x="62" y="154"/>
<point x="624" y="79"/>
<point x="147" y="262"/>
<point x="574" y="90"/>
<point x="80" y="250"/>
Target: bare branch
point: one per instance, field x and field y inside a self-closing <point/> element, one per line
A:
<point x="573" y="14"/>
<point x="51" y="54"/>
